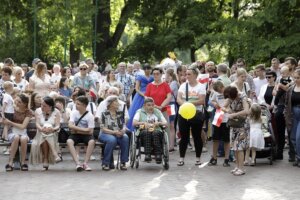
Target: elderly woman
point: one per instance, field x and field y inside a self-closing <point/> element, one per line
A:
<point x="44" y="145"/>
<point x="20" y="82"/>
<point x="240" y="83"/>
<point x="112" y="125"/>
<point x="40" y="81"/>
<point x="237" y="106"/>
<point x="292" y="114"/>
<point x="18" y="135"/>
<point x="150" y="120"/>
<point x="193" y="92"/>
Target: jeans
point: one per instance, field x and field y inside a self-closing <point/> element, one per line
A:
<point x="111" y="142"/>
<point x="295" y="134"/>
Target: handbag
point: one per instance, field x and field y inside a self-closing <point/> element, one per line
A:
<point x="236" y="122"/>
<point x="63" y="135"/>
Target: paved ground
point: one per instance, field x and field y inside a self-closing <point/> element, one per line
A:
<point x="150" y="181"/>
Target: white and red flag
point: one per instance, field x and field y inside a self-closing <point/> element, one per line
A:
<point x="203" y="78"/>
<point x="219" y="115"/>
<point x="171" y="110"/>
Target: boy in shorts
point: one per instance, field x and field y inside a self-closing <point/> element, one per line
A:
<point x="221" y="133"/>
<point x="81" y="124"/>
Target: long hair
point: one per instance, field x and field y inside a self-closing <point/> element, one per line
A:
<point x="255" y="113"/>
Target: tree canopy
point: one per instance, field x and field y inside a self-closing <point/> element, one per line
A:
<point x="69" y="30"/>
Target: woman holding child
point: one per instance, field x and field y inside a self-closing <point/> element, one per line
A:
<point x="17" y="135"/>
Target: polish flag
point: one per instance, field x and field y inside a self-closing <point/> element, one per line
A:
<point x="171" y="110"/>
<point x="218" y="118"/>
<point x="93" y="93"/>
<point x="203" y="78"/>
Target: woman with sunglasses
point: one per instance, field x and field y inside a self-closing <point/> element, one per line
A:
<point x="83" y="80"/>
<point x="266" y="92"/>
<point x="44" y="148"/>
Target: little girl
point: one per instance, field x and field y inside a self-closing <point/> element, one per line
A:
<point x="64" y="89"/>
<point x="256" y="135"/>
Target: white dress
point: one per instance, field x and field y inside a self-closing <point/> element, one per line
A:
<point x="256" y="136"/>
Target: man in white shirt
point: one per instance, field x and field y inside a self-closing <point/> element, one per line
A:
<point x="260" y="80"/>
<point x="82" y="126"/>
<point x="275" y="66"/>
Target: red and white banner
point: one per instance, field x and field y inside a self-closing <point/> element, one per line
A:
<point x="203" y="78"/>
<point x="219" y="115"/>
<point x="93" y="93"/>
<point x="171" y="109"/>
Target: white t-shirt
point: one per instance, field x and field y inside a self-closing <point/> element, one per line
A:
<point x="55" y="78"/>
<point x="258" y="83"/>
<point x="219" y="98"/>
<point x="87" y="121"/>
<point x="151" y="118"/>
<point x="89" y="107"/>
<point x="22" y="85"/>
<point x="193" y="92"/>
<point x="10" y="103"/>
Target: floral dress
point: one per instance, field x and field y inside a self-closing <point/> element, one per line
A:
<point x="239" y="136"/>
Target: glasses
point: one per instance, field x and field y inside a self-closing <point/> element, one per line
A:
<point x="83" y="69"/>
<point x="268" y="77"/>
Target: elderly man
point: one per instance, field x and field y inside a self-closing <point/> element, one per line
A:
<point x="127" y="81"/>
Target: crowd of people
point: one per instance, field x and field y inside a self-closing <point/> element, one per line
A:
<point x="129" y="96"/>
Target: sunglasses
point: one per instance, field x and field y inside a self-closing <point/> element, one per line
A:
<point x="268" y="77"/>
<point x="83" y="69"/>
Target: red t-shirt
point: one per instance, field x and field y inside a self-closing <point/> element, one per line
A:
<point x="158" y="92"/>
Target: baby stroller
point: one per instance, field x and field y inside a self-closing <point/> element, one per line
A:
<point x="136" y="149"/>
<point x="270" y="142"/>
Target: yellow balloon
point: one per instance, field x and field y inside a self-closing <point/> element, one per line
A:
<point x="187" y="110"/>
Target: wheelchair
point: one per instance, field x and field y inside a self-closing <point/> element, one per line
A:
<point x="136" y="151"/>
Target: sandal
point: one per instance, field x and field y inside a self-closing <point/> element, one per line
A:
<point x="9" y="168"/>
<point x="239" y="172"/>
<point x="24" y="167"/>
<point x="252" y="164"/>
<point x="180" y="163"/>
<point x="198" y="162"/>
<point x="234" y="170"/>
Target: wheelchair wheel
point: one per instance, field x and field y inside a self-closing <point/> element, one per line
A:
<point x="166" y="151"/>
<point x="132" y="152"/>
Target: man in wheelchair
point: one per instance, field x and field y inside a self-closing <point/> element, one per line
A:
<point x="150" y="121"/>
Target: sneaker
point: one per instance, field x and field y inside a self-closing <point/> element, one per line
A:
<point x="158" y="159"/>
<point x="105" y="167"/>
<point x="234" y="170"/>
<point x="226" y="163"/>
<point x="6" y="152"/>
<point x="212" y="162"/>
<point x="79" y="167"/>
<point x="86" y="167"/>
<point x="123" y="166"/>
<point x="239" y="172"/>
<point x="92" y="158"/>
<point x="148" y="158"/>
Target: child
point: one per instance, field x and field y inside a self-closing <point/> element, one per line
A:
<point x="8" y="106"/>
<point x="64" y="89"/>
<point x="221" y="133"/>
<point x="256" y="135"/>
<point x="285" y="80"/>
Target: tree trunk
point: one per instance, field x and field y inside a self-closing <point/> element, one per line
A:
<point x="74" y="53"/>
<point x="193" y="56"/>
<point x="103" y="26"/>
